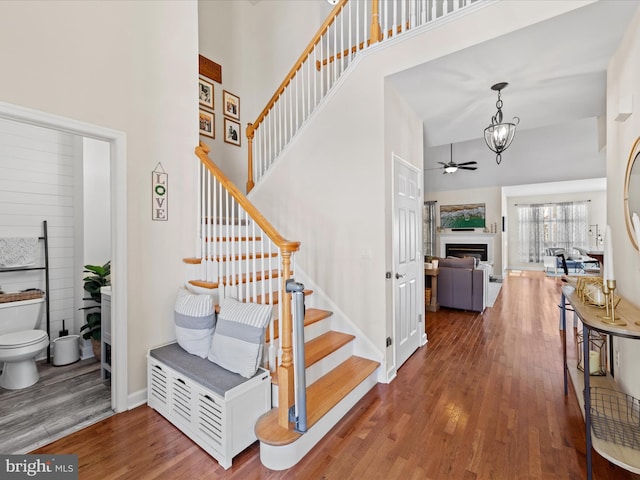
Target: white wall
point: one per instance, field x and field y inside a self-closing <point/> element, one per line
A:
<point x="256" y="45"/>
<point x="132" y="67"/>
<point x="623" y="79"/>
<point x="96" y="181"/>
<point x="93" y="220"/>
<point x="37" y="181"/>
<point x="402" y="137"/>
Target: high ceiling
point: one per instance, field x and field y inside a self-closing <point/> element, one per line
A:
<point x="556" y="72"/>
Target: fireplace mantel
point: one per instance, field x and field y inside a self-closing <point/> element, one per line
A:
<point x="467" y="237"/>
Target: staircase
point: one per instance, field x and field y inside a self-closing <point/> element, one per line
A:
<point x="243" y="257"/>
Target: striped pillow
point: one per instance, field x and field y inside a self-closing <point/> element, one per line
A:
<point x="239" y="336"/>
<point x="194" y="318"/>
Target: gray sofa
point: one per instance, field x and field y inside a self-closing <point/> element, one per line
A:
<point x="461" y="285"/>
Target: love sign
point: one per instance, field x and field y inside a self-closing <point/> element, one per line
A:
<point x="159" y="194"/>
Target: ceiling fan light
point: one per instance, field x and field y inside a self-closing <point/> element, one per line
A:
<point x="450" y="169"/>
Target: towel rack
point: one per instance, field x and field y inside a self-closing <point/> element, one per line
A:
<point x="45" y="239"/>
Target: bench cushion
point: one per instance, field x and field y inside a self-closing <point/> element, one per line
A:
<point x="200" y="370"/>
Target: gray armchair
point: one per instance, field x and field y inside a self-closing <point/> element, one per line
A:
<point x="461" y="285"/>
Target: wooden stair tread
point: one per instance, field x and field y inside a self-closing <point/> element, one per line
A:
<point x="224" y="258"/>
<point x="322" y="396"/>
<point x="232" y="239"/>
<point x="259" y="300"/>
<point x="318" y="348"/>
<point x="311" y="316"/>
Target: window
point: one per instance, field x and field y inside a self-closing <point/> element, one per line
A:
<point x="551" y="225"/>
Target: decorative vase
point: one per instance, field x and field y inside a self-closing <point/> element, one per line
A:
<point x="95" y="344"/>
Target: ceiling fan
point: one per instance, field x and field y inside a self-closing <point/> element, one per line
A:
<point x="453" y="167"/>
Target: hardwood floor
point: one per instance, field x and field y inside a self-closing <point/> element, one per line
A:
<point x="483" y="400"/>
<point x="65" y="399"/>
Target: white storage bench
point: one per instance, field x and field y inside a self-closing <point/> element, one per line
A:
<point x="214" y="407"/>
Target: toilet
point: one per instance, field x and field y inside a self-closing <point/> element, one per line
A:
<point x="20" y="342"/>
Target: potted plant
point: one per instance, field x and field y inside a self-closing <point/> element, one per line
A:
<point x="100" y="277"/>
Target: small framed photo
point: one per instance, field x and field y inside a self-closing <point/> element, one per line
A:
<point x="231" y="105"/>
<point x="231" y="131"/>
<point x="205" y="93"/>
<point x="207" y="123"/>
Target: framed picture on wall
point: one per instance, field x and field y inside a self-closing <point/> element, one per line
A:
<point x="205" y="93"/>
<point x="207" y="123"/>
<point x="470" y="215"/>
<point x="231" y="132"/>
<point x="231" y="105"/>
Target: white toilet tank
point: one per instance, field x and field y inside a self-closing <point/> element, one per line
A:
<point x="22" y="315"/>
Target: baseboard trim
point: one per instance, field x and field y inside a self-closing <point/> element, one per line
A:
<point x="136" y="399"/>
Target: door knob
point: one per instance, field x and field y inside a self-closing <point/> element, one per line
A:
<point x="400" y="276"/>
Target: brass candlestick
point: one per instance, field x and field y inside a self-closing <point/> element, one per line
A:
<point x="609" y="288"/>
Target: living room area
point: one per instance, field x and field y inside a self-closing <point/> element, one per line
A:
<point x="518" y="229"/>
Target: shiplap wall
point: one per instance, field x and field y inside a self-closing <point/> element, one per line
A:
<point x="38" y="168"/>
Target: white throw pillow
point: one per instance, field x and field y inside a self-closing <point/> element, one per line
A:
<point x="239" y="336"/>
<point x="194" y="319"/>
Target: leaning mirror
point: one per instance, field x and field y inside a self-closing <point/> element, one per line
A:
<point x="632" y="190"/>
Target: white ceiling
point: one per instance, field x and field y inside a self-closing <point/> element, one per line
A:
<point x="556" y="72"/>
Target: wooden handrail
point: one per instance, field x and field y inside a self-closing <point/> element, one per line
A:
<point x="305" y="54"/>
<point x="282" y="243"/>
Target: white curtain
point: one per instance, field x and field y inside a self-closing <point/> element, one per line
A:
<point x="551" y="225"/>
<point x="429" y="228"/>
<point x="530" y="233"/>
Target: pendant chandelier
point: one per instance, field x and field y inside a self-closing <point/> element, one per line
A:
<point x="499" y="135"/>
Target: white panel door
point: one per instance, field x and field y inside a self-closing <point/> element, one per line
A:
<point x="408" y="260"/>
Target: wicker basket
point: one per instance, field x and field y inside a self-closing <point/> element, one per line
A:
<point x="427" y="296"/>
<point x="19" y="296"/>
<point x="615" y="417"/>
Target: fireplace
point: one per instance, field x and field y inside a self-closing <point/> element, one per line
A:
<point x="472" y="240"/>
<point x="477" y="250"/>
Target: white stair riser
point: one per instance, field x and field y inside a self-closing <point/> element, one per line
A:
<point x="318" y="369"/>
<point x="328" y="363"/>
<point x="286" y="456"/>
<point x="310" y="331"/>
<point x="316" y="329"/>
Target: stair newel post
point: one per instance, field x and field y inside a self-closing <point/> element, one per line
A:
<point x="375" y="33"/>
<point x="250" y="134"/>
<point x="285" y="369"/>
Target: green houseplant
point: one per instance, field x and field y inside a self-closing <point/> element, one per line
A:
<point x="100" y="277"/>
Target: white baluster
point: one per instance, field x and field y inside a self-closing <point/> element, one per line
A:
<point x="201" y="214"/>
<point x="212" y="228"/>
<point x="207" y="252"/>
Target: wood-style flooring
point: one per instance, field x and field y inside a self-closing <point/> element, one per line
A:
<point x="65" y="399"/>
<point x="483" y="400"/>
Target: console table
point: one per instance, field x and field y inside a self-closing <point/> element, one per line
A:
<point x="432" y="275"/>
<point x="625" y="457"/>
